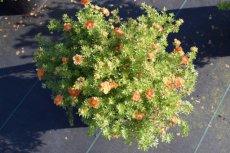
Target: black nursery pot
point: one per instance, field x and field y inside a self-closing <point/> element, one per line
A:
<point x="25" y="6"/>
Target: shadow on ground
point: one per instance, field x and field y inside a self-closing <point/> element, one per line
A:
<point x="206" y="27"/>
<point x="6" y="10"/>
<point x="36" y="115"/>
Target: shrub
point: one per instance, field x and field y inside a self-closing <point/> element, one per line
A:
<point x="223" y="5"/>
<point x="117" y="74"/>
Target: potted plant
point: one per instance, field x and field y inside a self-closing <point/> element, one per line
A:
<point x="117" y="74"/>
<point x="25" y="6"/>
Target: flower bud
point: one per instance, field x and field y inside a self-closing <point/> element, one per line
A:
<point x="105" y="11"/>
<point x="150" y="56"/>
<point x="177" y="43"/>
<point x="179" y="22"/>
<point x="194" y="49"/>
<point x="97" y="7"/>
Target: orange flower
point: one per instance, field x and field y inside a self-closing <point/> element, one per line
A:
<point x="136" y="96"/>
<point x="176" y="43"/>
<point x="115" y="135"/>
<point x="74" y="92"/>
<point x="92" y="6"/>
<point x="149" y="93"/>
<point x="84" y="2"/>
<point x="97" y="7"/>
<point x="105" y="87"/>
<point x="89" y="24"/>
<point x="178" y="82"/>
<point x="64" y="60"/>
<point x="155" y="47"/>
<point x="178" y="49"/>
<point x="175" y="120"/>
<point x="185" y="60"/>
<point x="170" y="85"/>
<point x="150" y="56"/>
<point x="118" y="31"/>
<point x="77" y="59"/>
<point x="67" y="26"/>
<point x="94" y="102"/>
<point x="40" y="73"/>
<point x="140" y="116"/>
<point x="135" y="113"/>
<point x="158" y="27"/>
<point x="140" y="74"/>
<point x="118" y="47"/>
<point x="58" y="100"/>
<point x="113" y="84"/>
<point x="105" y="11"/>
<point x="162" y="132"/>
<point x="115" y="48"/>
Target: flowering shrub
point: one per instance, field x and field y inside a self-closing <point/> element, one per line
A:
<point x="117" y="74"/>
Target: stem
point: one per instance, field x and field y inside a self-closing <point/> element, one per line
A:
<point x="70" y="116"/>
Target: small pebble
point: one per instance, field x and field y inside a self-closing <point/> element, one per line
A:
<point x="32" y="14"/>
<point x="17" y="52"/>
<point x="212" y="107"/>
<point x="22" y="50"/>
<point x="73" y="1"/>
<point x="203" y="98"/>
<point x="210" y="17"/>
<point x="209" y="42"/>
<point x="197" y="101"/>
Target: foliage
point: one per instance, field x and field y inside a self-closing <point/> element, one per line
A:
<point x="118" y="75"/>
<point x="223" y="5"/>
